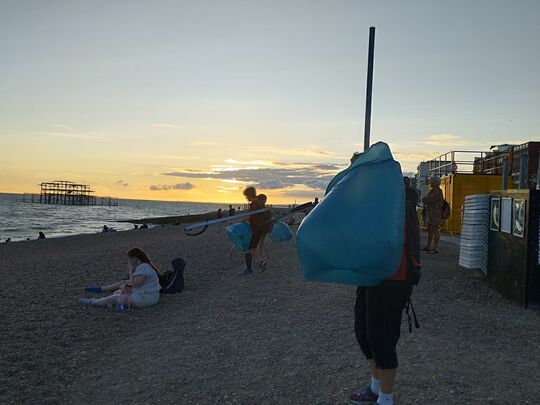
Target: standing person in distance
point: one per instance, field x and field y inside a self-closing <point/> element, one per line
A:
<point x="434" y="204"/>
<point x="265" y="227"/>
<point x="411" y="194"/>
<point x="254" y="221"/>
<point x="219" y="215"/>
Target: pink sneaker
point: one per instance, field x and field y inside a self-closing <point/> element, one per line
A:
<point x="363" y="397"/>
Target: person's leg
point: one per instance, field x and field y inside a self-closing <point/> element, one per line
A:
<point x="251" y="255"/>
<point x="365" y="395"/>
<point x="373" y="368"/>
<point x="437" y="237"/>
<point x="429" y="237"/>
<point x="248" y="257"/>
<point x="260" y="253"/>
<point x="384" y="331"/>
<point x="387" y="378"/>
<point x="136" y="300"/>
<point x="110" y="300"/>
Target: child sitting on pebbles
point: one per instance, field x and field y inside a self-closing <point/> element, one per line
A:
<point x="140" y="290"/>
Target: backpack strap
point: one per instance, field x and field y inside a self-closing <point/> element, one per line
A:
<point x="409" y="305"/>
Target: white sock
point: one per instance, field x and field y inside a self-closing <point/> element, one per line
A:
<point x="385" y="399"/>
<point x="375" y="385"/>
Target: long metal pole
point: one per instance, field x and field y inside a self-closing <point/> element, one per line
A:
<point x="369" y="87"/>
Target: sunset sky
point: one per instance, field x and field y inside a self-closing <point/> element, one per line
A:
<point x="194" y="100"/>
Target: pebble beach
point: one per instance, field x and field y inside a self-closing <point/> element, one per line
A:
<point x="270" y="338"/>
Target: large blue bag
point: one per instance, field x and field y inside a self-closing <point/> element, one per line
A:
<point x="355" y="234"/>
<point x="240" y="234"/>
<point x="280" y="232"/>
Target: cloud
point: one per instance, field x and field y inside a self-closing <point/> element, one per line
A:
<point x="211" y="143"/>
<point x="82" y="137"/>
<point x="305" y="195"/>
<point x="178" y="186"/>
<point x="122" y="183"/>
<point x="415" y="156"/>
<point x="312" y="151"/>
<point x="222" y="189"/>
<point x="250" y="162"/>
<point x="269" y="177"/>
<point x="78" y="134"/>
<point x="163" y="125"/>
<point x="446" y="140"/>
<point x="176" y="157"/>
<point x="63" y="127"/>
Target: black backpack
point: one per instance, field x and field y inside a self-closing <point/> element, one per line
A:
<point x="172" y="281"/>
<point x="446" y="211"/>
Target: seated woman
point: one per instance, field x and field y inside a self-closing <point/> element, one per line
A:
<point x="141" y="289"/>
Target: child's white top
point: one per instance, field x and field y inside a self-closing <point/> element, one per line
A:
<point x="151" y="282"/>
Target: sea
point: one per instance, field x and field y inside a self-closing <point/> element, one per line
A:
<point x="20" y="221"/>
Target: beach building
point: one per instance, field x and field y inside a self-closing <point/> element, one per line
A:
<point x="495" y="205"/>
<point x="465" y="173"/>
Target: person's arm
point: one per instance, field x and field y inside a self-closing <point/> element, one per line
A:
<point x="117" y="285"/>
<point x="247" y="217"/>
<point x="137" y="281"/>
<point x="114" y="286"/>
<point x="429" y="198"/>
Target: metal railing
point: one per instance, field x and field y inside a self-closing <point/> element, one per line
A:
<point x="468" y="162"/>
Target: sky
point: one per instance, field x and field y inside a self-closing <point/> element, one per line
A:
<point x="195" y="100"/>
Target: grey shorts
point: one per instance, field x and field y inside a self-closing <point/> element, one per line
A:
<point x="141" y="300"/>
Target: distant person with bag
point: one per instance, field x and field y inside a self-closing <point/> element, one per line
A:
<point x="434" y="205"/>
<point x="141" y="289"/>
<point x="219" y="215"/>
<point x="257" y="232"/>
<point x="265" y="227"/>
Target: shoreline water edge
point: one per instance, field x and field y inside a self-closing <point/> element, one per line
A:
<point x="22" y="222"/>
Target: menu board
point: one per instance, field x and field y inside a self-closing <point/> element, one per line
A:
<point x="506" y="215"/>
<point x="495" y="222"/>
<point x="518" y="216"/>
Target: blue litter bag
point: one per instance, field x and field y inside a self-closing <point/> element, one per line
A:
<point x="355" y="234"/>
<point x="240" y="235"/>
<point x="280" y="232"/>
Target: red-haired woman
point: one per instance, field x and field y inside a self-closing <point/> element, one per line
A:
<point x="141" y="289"/>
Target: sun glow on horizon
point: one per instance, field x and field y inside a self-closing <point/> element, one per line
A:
<point x="140" y="102"/>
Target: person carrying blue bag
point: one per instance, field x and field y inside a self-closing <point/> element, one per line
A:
<point x="363" y="234"/>
<point x="378" y="313"/>
<point x="260" y="224"/>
